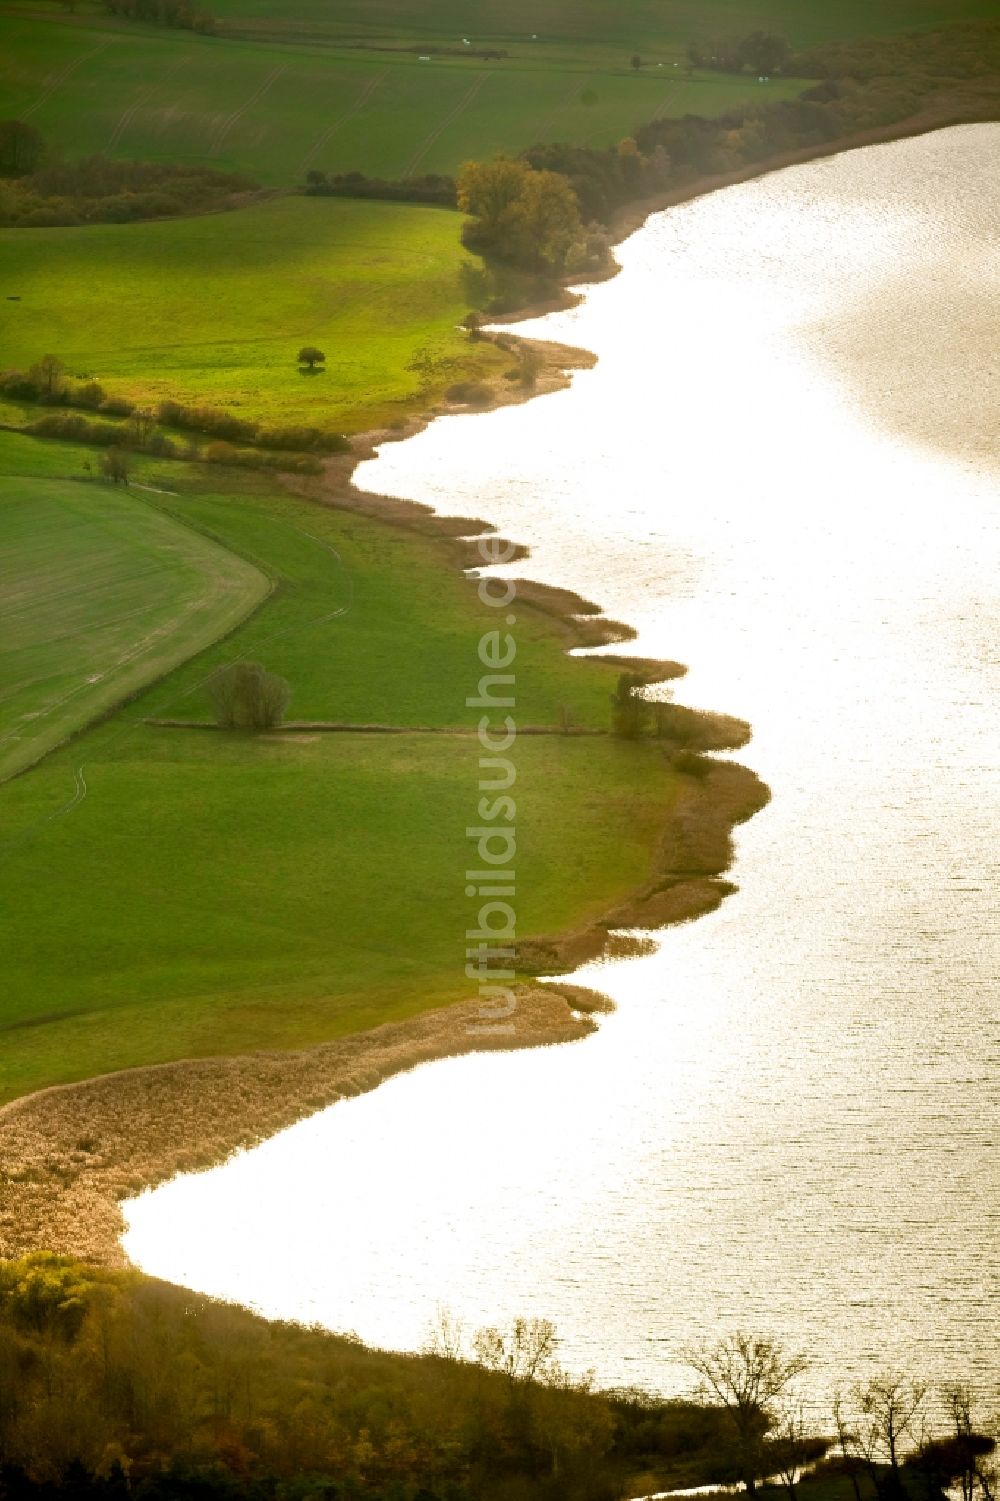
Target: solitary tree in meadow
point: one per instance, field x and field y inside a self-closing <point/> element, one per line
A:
<point x="248" y="697"/>
<point x="311" y="357"/>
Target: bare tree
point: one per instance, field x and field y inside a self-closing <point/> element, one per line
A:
<point x="890" y="1408"/>
<point x="847" y="1441"/>
<point x="746" y="1376"/>
<point x="969" y="1451"/>
<point x="526" y="1352"/>
<point x="792" y="1447"/>
<point x="446" y="1336"/>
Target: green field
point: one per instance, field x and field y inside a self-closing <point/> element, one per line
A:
<point x="612" y="23"/>
<point x="213" y="893"/>
<point x="274" y="110"/>
<point x="215" y="309"/>
<point x="102" y="595"/>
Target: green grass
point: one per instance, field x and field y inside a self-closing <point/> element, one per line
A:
<point x="275" y="109"/>
<point x="301" y="84"/>
<point x="613" y="23"/>
<point x="215" y="309"/>
<point x="214" y="893"/>
<point x="102" y="595"/>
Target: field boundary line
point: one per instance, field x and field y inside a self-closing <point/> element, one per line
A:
<point x="449" y="119"/>
<point x="327" y="135"/>
<point x="80" y="787"/>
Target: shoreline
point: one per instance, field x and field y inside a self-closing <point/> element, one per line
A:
<point x="72" y="1153"/>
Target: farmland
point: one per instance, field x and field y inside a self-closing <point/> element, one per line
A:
<point x="276" y="109"/>
<point x="217" y="893"/>
<point x="215" y="309"/>
<point x="102" y="594"/>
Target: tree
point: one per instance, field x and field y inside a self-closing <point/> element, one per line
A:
<point x="546" y="220"/>
<point x="141" y="426"/>
<point x="636" y="61"/>
<point x="524" y="1353"/>
<point x="116" y="465"/>
<point x="312" y="357"/>
<point x="247" y="697"/>
<point x="746" y="1376"/>
<point x="520" y="214"/>
<point x="763" y="52"/>
<point x="847" y="1443"/>
<point x="488" y="191"/>
<point x="22" y="147"/>
<point x="48" y="375"/>
<point x="889" y="1408"/>
<point x="969" y="1452"/>
<point x="629" y="710"/>
<point x="792" y="1447"/>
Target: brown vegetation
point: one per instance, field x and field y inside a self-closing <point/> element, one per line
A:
<point x="68" y="1155"/>
<point x="96" y="190"/>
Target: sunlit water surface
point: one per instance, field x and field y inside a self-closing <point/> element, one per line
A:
<point x="789" y="1124"/>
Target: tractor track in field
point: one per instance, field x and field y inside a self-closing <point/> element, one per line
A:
<point x="219" y="139"/>
<point x="449" y="119"/>
<point x="327" y="135"/>
<point x="143" y="97"/>
<point x="553" y="114"/>
<point x="64" y="75"/>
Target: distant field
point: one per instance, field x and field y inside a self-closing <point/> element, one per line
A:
<point x="216" y="308"/>
<point x="622" y="22"/>
<point x="275" y="110"/>
<point x="101" y="595"/>
<point x="215" y="893"/>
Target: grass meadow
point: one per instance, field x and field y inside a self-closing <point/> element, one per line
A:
<point x="275" y="108"/>
<point x="102" y="595"/>
<point x="211" y="893"/>
<point x="215" y="309"/>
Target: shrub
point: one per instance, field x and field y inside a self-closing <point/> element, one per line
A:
<point x="211" y="420"/>
<point x="19" y="386"/>
<point x="90" y="394"/>
<point x="117" y="406"/>
<point x="689" y="764"/>
<point x="116" y="466"/>
<point x="247" y="697"/>
<point x="471" y="393"/>
<point x="629" y="711"/>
